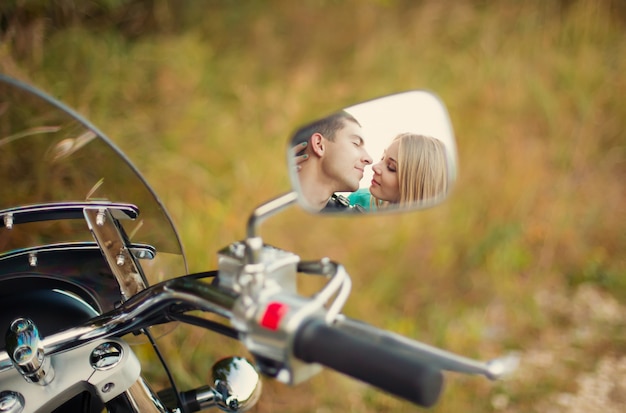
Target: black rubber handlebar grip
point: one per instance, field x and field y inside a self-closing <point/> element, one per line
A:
<point x="393" y="371"/>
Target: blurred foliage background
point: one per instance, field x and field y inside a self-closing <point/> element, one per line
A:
<point x="528" y="254"/>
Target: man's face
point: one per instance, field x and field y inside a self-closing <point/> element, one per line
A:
<point x="346" y="157"/>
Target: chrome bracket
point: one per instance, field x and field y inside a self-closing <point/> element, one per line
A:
<point x="117" y="254"/>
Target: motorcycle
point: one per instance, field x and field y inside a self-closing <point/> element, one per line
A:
<point x="90" y="259"/>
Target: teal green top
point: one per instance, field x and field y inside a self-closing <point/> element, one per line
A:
<point x="361" y="197"/>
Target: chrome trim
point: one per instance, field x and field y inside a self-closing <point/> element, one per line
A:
<point x="11" y="402"/>
<point x="32" y="259"/>
<point x="140" y="251"/>
<point x="113" y="245"/>
<point x="131" y="314"/>
<point x="261" y="213"/>
<point x="7" y="219"/>
<point x="237" y="386"/>
<point x="72" y="368"/>
<point x="106" y="356"/>
<point x="62" y="210"/>
<point x="143" y="399"/>
<point x="25" y="349"/>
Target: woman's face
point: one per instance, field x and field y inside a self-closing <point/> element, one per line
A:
<point x="385" y="185"/>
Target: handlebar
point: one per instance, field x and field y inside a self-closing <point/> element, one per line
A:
<point x="391" y="362"/>
<point x="396" y="372"/>
<point x="429" y="355"/>
<point x="137" y="313"/>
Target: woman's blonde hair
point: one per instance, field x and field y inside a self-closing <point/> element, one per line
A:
<point x="422" y="169"/>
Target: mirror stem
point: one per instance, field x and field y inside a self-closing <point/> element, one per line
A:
<point x="262" y="212"/>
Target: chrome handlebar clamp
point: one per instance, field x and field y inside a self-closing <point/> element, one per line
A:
<point x="269" y="310"/>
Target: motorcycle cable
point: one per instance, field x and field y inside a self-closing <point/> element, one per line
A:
<point x="214" y="326"/>
<point x="159" y="355"/>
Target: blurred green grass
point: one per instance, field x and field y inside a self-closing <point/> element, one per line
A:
<point x="203" y="97"/>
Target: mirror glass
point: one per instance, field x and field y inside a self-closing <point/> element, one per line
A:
<point x="390" y="154"/>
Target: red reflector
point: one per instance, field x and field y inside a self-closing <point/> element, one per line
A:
<point x="274" y="313"/>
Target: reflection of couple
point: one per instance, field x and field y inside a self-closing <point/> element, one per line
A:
<point x="331" y="158"/>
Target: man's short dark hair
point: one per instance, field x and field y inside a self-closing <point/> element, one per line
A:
<point x="327" y="127"/>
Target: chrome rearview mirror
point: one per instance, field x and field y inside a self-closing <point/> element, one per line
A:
<point x="394" y="153"/>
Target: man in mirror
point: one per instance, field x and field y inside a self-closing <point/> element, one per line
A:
<point x="335" y="160"/>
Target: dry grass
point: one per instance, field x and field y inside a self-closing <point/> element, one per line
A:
<point x="528" y="254"/>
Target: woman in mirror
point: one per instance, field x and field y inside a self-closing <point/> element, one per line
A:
<point x="412" y="171"/>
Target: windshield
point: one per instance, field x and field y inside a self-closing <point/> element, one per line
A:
<point x="49" y="154"/>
